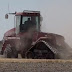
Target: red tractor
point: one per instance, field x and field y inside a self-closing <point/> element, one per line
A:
<point x="26" y="37"/>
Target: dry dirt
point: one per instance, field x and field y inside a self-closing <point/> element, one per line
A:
<point x="30" y="65"/>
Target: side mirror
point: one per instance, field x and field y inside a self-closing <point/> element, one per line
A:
<point x="6" y="16"/>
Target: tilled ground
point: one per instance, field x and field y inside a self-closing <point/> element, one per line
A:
<point x="35" y="65"/>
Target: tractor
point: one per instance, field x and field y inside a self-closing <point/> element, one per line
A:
<point x="27" y="39"/>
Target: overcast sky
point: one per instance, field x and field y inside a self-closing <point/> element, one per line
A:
<point x="57" y="15"/>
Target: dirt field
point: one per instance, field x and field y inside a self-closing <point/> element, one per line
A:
<point x="28" y="65"/>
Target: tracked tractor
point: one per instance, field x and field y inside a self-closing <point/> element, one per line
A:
<point x="27" y="39"/>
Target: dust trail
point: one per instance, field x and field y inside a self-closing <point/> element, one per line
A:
<point x="26" y="38"/>
<point x="64" y="50"/>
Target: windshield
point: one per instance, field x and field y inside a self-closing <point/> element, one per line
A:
<point x="29" y="22"/>
<point x="24" y="23"/>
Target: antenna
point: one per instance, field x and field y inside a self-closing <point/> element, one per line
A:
<point x="8" y="8"/>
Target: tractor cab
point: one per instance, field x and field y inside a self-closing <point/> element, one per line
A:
<point x="26" y="20"/>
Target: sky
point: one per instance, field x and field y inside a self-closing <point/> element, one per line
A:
<point x="57" y="15"/>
